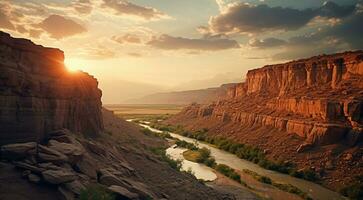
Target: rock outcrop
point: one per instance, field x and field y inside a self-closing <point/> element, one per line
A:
<point x="320" y="99"/>
<point x="38" y="94"/>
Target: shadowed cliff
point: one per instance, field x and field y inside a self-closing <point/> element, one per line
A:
<point x="38" y="94"/>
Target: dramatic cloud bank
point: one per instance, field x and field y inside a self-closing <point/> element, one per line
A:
<point x="247" y="18"/>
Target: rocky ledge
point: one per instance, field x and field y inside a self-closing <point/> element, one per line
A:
<point x="65" y="162"/>
<point x="319" y="99"/>
<point x="38" y="94"/>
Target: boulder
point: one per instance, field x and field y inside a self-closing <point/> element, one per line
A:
<point x="88" y="166"/>
<point x="18" y="150"/>
<point x="96" y="149"/>
<point x="25" y="173"/>
<point x="49" y="165"/>
<point x="109" y="179"/>
<point x="33" y="178"/>
<point x="73" y="151"/>
<point x="52" y="155"/>
<point x="138" y="188"/>
<point x="123" y="192"/>
<point x="26" y="166"/>
<point x="75" y="186"/>
<point x="58" y="176"/>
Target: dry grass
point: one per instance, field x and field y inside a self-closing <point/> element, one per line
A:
<point x="191" y="155"/>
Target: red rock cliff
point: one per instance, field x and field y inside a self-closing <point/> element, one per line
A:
<point x="38" y="94"/>
<point x="320" y="99"/>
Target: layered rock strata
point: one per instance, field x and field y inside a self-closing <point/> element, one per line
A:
<point x="38" y="94"/>
<point x="319" y="99"/>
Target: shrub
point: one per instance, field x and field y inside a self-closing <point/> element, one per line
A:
<point x="96" y="192"/>
<point x="292" y="189"/>
<point x="210" y="162"/>
<point x="204" y="155"/>
<point x="175" y="164"/>
<point x="187" y="145"/>
<point x="149" y="132"/>
<point x="229" y="172"/>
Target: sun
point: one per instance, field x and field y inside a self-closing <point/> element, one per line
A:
<point x="73" y="65"/>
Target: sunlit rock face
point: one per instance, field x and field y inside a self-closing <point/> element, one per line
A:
<point x="38" y="94"/>
<point x="319" y="99"/>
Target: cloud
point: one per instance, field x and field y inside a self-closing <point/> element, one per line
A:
<point x="346" y="35"/>
<point x="247" y="18"/>
<point x="127" y="38"/>
<point x="59" y="27"/>
<point x="168" y="42"/>
<point x="266" y="43"/>
<point x="123" y="7"/>
<point x="5" y="22"/>
<point x="83" y="6"/>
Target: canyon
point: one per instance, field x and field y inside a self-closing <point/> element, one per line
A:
<point x="57" y="142"/>
<point x="308" y="111"/>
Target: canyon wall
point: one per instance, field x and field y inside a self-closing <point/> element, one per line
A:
<point x="319" y="99"/>
<point x="38" y="94"/>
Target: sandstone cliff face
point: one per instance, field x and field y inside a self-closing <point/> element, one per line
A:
<point x="319" y="99"/>
<point x="38" y="94"/>
<point x="317" y="71"/>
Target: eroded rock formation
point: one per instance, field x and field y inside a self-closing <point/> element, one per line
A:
<point x="38" y="94"/>
<point x="319" y="99"/>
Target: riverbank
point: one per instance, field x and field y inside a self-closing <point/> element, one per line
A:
<point x="314" y="190"/>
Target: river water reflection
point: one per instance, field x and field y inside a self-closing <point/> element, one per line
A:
<point x="316" y="191"/>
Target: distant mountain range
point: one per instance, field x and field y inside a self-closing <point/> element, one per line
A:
<point x="201" y="96"/>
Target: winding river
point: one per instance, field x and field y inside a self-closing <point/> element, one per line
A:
<point x="317" y="192"/>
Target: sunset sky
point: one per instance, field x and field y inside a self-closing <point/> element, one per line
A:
<point x="140" y="47"/>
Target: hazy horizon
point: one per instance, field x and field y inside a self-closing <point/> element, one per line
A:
<point x="139" y="47"/>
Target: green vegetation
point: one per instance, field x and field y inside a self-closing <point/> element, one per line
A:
<point x="262" y="179"/>
<point x="200" y="156"/>
<point x="354" y="190"/>
<point x="243" y="151"/>
<point x="229" y="172"/>
<point x="284" y="187"/>
<point x="163" y="135"/>
<point x="96" y="192"/>
<point x="161" y="153"/>
<point x="187" y="145"/>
